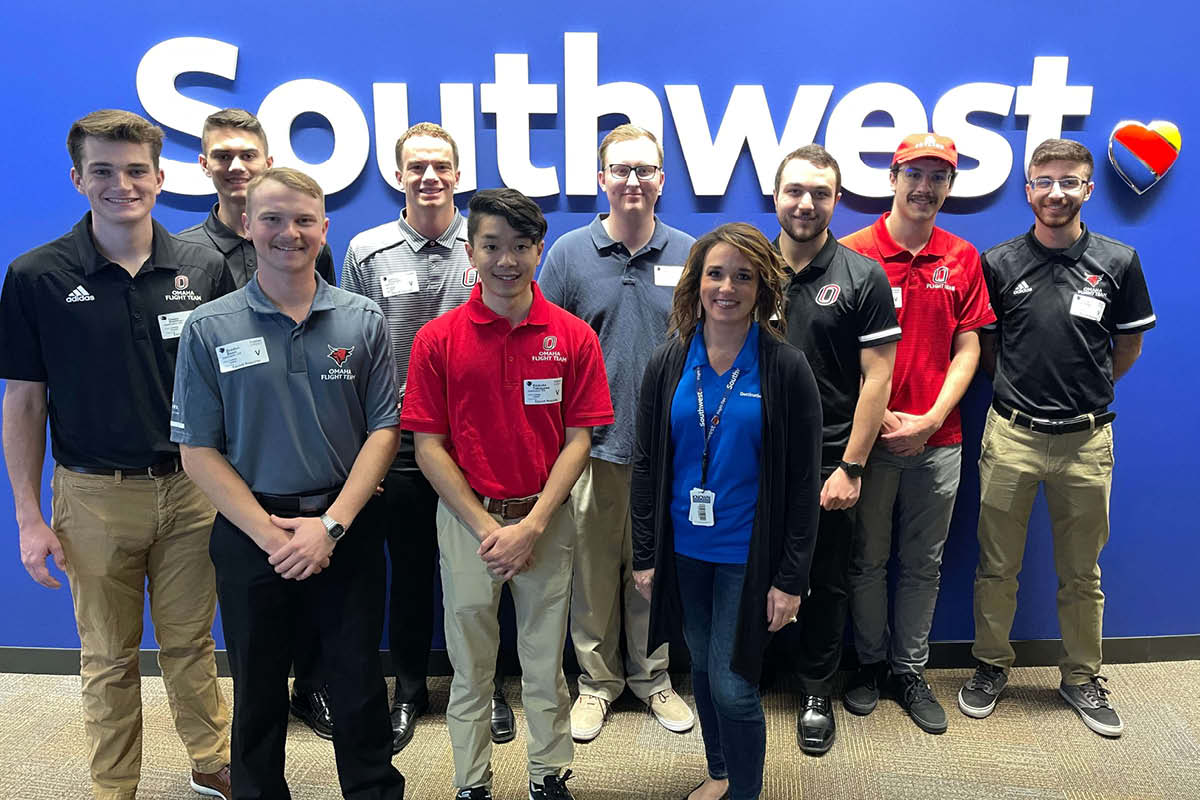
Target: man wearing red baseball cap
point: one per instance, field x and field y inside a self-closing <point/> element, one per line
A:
<point x="941" y="301"/>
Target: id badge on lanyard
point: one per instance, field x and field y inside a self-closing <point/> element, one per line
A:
<point x="702" y="501"/>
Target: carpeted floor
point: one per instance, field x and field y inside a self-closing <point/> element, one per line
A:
<point x="1032" y="748"/>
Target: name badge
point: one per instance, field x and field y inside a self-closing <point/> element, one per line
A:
<point x="1087" y="307"/>
<point x="398" y="283"/>
<point x="239" y="355"/>
<point x="667" y="275"/>
<point x="543" y="391"/>
<point x="896" y="299"/>
<point x="700" y="511"/>
<point x="171" y="325"/>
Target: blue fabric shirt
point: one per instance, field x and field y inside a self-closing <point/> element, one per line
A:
<point x="733" y="454"/>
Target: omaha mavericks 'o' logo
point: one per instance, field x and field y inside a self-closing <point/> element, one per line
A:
<point x="340" y="355"/>
<point x="828" y="294"/>
<point x="549" y="343"/>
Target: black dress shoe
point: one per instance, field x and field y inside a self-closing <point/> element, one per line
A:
<point x="689" y="794"/>
<point x="312" y="708"/>
<point x="404" y="722"/>
<point x="815" y="728"/>
<point x="504" y="724"/>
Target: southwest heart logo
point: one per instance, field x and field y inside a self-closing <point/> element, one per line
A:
<point x="340" y="355"/>
<point x="1141" y="154"/>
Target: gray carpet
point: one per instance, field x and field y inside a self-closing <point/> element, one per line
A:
<point x="1033" y="748"/>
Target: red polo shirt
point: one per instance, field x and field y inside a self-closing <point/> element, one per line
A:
<point x="938" y="293"/>
<point x="504" y="396"/>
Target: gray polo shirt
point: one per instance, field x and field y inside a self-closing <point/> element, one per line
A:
<point x="289" y="405"/>
<point x="626" y="298"/>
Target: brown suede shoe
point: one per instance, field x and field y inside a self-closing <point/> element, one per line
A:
<point x="214" y="784"/>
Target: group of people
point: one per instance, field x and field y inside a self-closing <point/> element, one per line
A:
<point x="723" y="435"/>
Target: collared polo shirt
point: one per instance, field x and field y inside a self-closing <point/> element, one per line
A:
<point x="937" y="294"/>
<point x="238" y="251"/>
<point x="104" y="342"/>
<point x="289" y="404"/>
<point x="1056" y="314"/>
<point x="733" y="453"/>
<point x="504" y="395"/>
<point x="626" y="299"/>
<point x="837" y="306"/>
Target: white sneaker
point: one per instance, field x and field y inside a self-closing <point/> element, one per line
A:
<point x="670" y="710"/>
<point x="587" y="717"/>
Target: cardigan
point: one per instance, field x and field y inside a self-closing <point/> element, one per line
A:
<point x="785" y="519"/>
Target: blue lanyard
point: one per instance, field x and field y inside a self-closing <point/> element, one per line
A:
<point x="716" y="418"/>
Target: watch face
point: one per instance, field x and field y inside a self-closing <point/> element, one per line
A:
<point x="336" y="532"/>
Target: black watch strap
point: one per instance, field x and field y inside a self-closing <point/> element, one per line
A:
<point x="851" y="468"/>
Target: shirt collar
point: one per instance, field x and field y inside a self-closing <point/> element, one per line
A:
<point x="1073" y="253"/>
<point x="821" y="260"/>
<point x="225" y="238"/>
<point x="936" y="247"/>
<point x="455" y="231"/>
<point x="258" y="301"/>
<point x="603" y="242"/>
<point x="92" y="260"/>
<point x="698" y="355"/>
<point x="480" y="314"/>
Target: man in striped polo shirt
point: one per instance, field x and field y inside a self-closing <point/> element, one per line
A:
<point x="416" y="268"/>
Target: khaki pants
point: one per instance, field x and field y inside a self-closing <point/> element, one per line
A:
<point x="122" y="537"/>
<point x="471" y="597"/>
<point x="1076" y="471"/>
<point x="603" y="575"/>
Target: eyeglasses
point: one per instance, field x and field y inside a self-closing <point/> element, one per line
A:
<point x="1068" y="185"/>
<point x="914" y="175"/>
<point x="644" y="172"/>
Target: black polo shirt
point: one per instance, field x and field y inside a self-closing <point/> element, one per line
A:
<point x="104" y="342"/>
<point x="239" y="252"/>
<point x="837" y="305"/>
<point x="1056" y="314"/>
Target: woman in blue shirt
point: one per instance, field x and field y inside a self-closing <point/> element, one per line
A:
<point x="726" y="489"/>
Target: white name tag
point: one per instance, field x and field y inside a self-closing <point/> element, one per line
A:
<point x="700" y="511"/>
<point x="543" y="391"/>
<point x="1087" y="307"/>
<point x="246" y="353"/>
<point x="896" y="299"/>
<point x="171" y="325"/>
<point x="398" y="283"/>
<point x="667" y="275"/>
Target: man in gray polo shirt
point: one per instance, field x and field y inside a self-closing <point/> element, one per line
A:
<point x="618" y="274"/>
<point x="285" y="413"/>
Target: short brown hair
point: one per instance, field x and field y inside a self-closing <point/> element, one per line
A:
<point x="425" y="129"/>
<point x="767" y="263"/>
<point x="113" y="125"/>
<point x="238" y="118"/>
<point x="627" y="133"/>
<point x="816" y="155"/>
<point x="1062" y="150"/>
<point x="291" y="178"/>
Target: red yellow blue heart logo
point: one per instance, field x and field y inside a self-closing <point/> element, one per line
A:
<point x="1141" y="154"/>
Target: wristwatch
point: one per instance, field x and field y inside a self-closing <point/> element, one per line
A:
<point x="851" y="468"/>
<point x="335" y="529"/>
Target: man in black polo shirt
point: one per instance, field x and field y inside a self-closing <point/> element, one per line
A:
<point x="1071" y="307"/>
<point x="89" y="329"/>
<point x="234" y="148"/>
<point x="840" y="313"/>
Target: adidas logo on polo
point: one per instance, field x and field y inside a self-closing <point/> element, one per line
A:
<point x="1023" y="288"/>
<point x="79" y="295"/>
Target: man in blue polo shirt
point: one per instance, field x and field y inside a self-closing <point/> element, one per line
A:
<point x="618" y="274"/>
<point x="285" y="413"/>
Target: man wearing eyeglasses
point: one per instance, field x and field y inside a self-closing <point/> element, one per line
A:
<point x="618" y="274"/>
<point x="1071" y="308"/>
<point x="941" y="302"/>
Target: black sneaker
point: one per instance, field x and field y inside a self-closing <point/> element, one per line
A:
<point x="1091" y="701"/>
<point x="553" y="787"/>
<point x="862" y="692"/>
<point x="474" y="793"/>
<point x="977" y="698"/>
<point x="914" y="696"/>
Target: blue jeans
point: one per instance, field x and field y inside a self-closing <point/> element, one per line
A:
<point x="731" y="714"/>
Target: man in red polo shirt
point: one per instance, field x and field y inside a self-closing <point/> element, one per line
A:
<point x="941" y="301"/>
<point x="502" y="395"/>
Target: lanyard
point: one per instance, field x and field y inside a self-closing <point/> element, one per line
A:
<point x="716" y="418"/>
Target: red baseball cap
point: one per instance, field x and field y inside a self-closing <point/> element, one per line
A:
<point x="926" y="145"/>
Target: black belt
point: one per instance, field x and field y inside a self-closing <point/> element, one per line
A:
<point x="310" y="504"/>
<point x="1084" y="422"/>
<point x="160" y="470"/>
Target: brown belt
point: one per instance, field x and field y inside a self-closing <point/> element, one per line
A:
<point x="160" y="470"/>
<point x="509" y="509"/>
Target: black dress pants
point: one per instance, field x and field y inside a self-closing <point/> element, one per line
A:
<point x="823" y="613"/>
<point x="259" y="612"/>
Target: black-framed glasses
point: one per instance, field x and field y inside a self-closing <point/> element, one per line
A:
<point x="644" y="172"/>
<point x="1071" y="184"/>
<point x="938" y="178"/>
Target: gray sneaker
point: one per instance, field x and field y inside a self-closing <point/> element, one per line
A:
<point x="977" y="698"/>
<point x="1091" y="701"/>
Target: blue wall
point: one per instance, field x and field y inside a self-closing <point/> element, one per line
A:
<point x="63" y="60"/>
